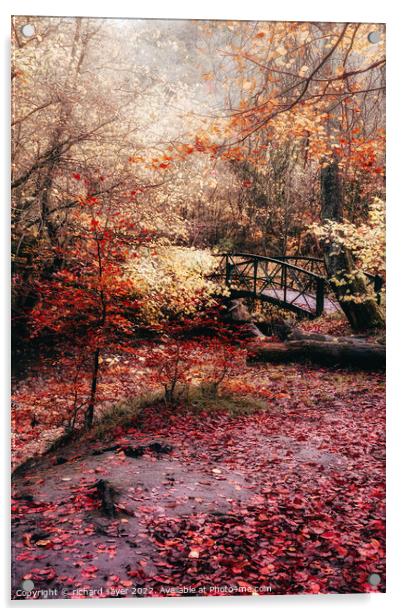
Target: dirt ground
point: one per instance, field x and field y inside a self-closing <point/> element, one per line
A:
<point x="288" y="499"/>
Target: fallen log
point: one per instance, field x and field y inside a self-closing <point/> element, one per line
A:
<point x="329" y="352"/>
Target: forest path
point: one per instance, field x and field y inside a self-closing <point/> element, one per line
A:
<point x="290" y="496"/>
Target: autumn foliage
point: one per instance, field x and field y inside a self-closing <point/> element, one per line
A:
<point x="142" y="151"/>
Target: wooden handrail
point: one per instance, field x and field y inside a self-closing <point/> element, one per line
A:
<point x="271" y="260"/>
<point x="302" y="257"/>
<point x="374" y="277"/>
<point x="284" y="267"/>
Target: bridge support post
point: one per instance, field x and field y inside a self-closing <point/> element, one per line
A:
<point x="285" y="281"/>
<point x="319" y="301"/>
<point x="255" y="276"/>
<point x="228" y="271"/>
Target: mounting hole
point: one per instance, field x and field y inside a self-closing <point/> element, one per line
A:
<point x="27" y="585"/>
<point x="374" y="37"/>
<point x="374" y="579"/>
<point x="28" y="30"/>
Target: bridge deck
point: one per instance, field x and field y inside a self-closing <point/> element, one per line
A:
<point x="305" y="302"/>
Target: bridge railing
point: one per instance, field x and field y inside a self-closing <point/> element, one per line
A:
<point x="274" y="280"/>
<point x="317" y="265"/>
<point x="312" y="264"/>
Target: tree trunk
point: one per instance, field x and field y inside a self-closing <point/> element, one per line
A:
<point x="89" y="413"/>
<point x="362" y="310"/>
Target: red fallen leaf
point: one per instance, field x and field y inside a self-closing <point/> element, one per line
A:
<point x="77" y="176"/>
<point x="91" y="569"/>
<point x="318" y="530"/>
<point x="126" y="583"/>
<point x="25" y="556"/>
<point x="301" y="576"/>
<point x="328" y="534"/>
<point x="237" y="570"/>
<point x="162" y="563"/>
<point x="114" y="578"/>
<point x="267" y="570"/>
<point x="65" y="579"/>
<point x="170" y="542"/>
<point x="245" y="586"/>
<point x="39" y="574"/>
<point x="26" y="539"/>
<point x="47" y="544"/>
<point x="341" y="550"/>
<point x="298" y="502"/>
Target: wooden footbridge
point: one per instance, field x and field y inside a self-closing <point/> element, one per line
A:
<point x="296" y="283"/>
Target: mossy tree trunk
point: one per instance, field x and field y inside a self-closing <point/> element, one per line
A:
<point x="361" y="310"/>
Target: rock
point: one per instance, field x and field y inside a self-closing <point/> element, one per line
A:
<point x="60" y="460"/>
<point x="160" y="447"/>
<point x="134" y="452"/>
<point x="239" y="312"/>
<point x="107" y="495"/>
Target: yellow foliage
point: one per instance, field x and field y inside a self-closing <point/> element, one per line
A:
<point x="365" y="241"/>
<point x="173" y="281"/>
